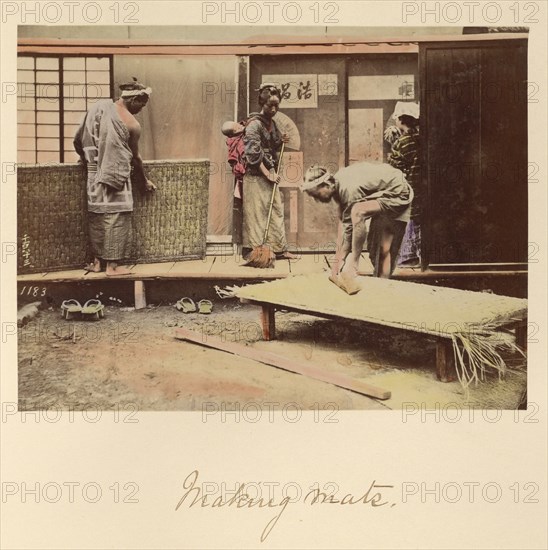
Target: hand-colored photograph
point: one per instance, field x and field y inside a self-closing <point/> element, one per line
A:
<point x="332" y="217"/>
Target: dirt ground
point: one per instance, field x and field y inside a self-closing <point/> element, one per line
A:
<point x="131" y="359"/>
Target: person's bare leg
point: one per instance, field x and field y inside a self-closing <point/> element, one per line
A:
<point x="114" y="269"/>
<point x="359" y="235"/>
<point x="95" y="266"/>
<point x="360" y="212"/>
<point x="385" y="258"/>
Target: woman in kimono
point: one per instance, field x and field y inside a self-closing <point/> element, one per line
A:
<point x="405" y="157"/>
<point x="263" y="143"/>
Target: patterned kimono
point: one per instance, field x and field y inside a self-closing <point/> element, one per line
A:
<point x="262" y="142"/>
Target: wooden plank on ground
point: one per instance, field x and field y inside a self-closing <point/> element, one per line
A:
<point x="274" y="360"/>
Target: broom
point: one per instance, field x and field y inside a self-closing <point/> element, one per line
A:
<point x="262" y="256"/>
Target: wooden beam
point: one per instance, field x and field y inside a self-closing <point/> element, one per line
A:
<point x="261" y="45"/>
<point x="521" y="335"/>
<point x="225" y="268"/>
<point x="445" y="361"/>
<point x="140" y="295"/>
<point x="242" y="49"/>
<point x="284" y="363"/>
<point x="283" y="40"/>
<point x="268" y="322"/>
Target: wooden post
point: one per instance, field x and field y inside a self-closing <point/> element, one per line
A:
<point x="445" y="362"/>
<point x="521" y="335"/>
<point x="268" y="322"/>
<point x="140" y="295"/>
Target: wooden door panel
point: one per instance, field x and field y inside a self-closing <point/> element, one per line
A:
<point x="504" y="153"/>
<point x="474" y="131"/>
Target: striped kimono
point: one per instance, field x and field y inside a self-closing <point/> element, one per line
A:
<point x="102" y="140"/>
<point x="405" y="157"/>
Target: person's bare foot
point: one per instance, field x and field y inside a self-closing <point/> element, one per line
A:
<point x="349" y="271"/>
<point x="113" y="270"/>
<point x="94" y="267"/>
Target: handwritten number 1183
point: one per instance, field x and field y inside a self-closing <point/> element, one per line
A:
<point x="33" y="291"/>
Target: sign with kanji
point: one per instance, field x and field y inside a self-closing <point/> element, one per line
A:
<point x="298" y="90"/>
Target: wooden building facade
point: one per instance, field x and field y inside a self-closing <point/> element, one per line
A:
<point x="340" y="94"/>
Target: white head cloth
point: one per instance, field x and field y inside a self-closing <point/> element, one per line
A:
<point x="314" y="176"/>
<point x="410" y="108"/>
<point x="133" y="93"/>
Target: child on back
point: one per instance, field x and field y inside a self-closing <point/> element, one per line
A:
<point x="232" y="129"/>
<point x="234" y="133"/>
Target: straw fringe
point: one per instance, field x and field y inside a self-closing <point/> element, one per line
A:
<point x="477" y="353"/>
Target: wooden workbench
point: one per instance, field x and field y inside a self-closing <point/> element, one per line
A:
<point x="438" y="311"/>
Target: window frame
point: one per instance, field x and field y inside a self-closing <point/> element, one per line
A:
<point x="61" y="98"/>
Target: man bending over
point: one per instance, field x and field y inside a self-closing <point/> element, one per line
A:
<point x="364" y="190"/>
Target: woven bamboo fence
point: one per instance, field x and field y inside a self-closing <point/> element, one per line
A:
<point x="169" y="224"/>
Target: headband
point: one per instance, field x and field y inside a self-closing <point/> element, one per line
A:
<point x="314" y="177"/>
<point x="133" y="93"/>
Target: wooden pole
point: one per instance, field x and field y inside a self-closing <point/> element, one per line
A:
<point x="140" y="295"/>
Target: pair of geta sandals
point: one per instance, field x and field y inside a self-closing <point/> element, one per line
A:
<point x="187" y="305"/>
<point x="92" y="309"/>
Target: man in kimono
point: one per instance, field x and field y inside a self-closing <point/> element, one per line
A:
<point x="107" y="142"/>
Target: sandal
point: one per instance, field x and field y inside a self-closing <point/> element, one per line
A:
<point x="93" y="308"/>
<point x="186" y="305"/>
<point x="70" y="307"/>
<point x="205" y="306"/>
